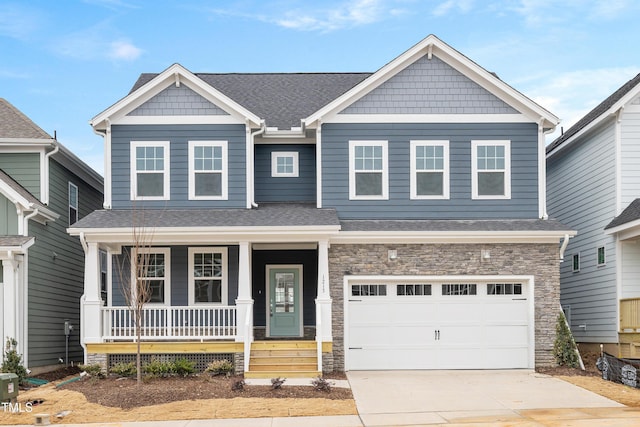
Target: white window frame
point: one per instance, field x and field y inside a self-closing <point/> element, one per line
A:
<point x="166" y="169"/>
<point x="507" y="168"/>
<point x="167" y="273"/>
<point x="74" y="187"/>
<point x="573" y="264"/>
<point x="224" y="278"/>
<point x="275" y="155"/>
<point x="384" y="171"/>
<point x="604" y="256"/>
<point x="224" y="172"/>
<point x="445" y="170"/>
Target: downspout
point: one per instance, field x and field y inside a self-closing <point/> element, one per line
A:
<point x="563" y="247"/>
<point x="25" y="227"/>
<point x="45" y="195"/>
<point x="250" y="166"/>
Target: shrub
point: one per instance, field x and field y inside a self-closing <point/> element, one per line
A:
<point x="158" y="368"/>
<point x="220" y="367"/>
<point x="124" y="369"/>
<point x="564" y="348"/>
<point x="13" y="361"/>
<point x="184" y="367"/>
<point x="94" y="370"/>
<point x="276" y="383"/>
<point x="320" y="384"/>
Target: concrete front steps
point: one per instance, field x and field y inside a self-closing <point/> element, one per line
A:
<point x="284" y="359"/>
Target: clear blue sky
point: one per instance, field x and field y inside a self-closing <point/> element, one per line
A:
<point x="63" y="61"/>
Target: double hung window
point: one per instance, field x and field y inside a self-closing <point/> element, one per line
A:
<point x="149" y="170"/>
<point x="208" y="170"/>
<point x="429" y="169"/>
<point x="368" y="171"/>
<point x="491" y="169"/>
<point x="151" y="272"/>
<point x="207" y="276"/>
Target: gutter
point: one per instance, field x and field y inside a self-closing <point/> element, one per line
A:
<point x="25" y="227"/>
<point x="250" y="166"/>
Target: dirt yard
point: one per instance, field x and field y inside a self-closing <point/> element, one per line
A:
<point x="204" y="397"/>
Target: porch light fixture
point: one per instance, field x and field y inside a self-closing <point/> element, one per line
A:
<point x="485" y="254"/>
<point x="392" y="254"/>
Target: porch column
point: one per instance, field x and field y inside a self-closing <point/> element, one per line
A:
<point x="323" y="300"/>
<point x="10" y="293"/>
<point x="244" y="302"/>
<point x="91" y="302"/>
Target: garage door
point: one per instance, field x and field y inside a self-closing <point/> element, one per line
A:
<point x="435" y="325"/>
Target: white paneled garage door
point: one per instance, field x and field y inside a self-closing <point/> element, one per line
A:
<point x="438" y="325"/>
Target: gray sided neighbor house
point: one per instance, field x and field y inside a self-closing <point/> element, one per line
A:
<point x="594" y="187"/>
<point x="44" y="188"/>
<point x="310" y="222"/>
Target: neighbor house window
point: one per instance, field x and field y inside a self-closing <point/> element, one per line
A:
<point x="491" y="169"/>
<point x="601" y="256"/>
<point x="152" y="267"/>
<point x="208" y="170"/>
<point x="576" y="262"/>
<point x="73" y="203"/>
<point x="284" y="164"/>
<point x="368" y="170"/>
<point x="429" y="169"/>
<point x="149" y="170"/>
<point x="207" y="276"/>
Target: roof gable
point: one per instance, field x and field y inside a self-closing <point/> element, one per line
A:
<point x="175" y="75"/>
<point x="191" y="104"/>
<point x="19" y="195"/>
<point x="432" y="47"/>
<point x="625" y="94"/>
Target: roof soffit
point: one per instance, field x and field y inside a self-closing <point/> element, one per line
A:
<point x="174" y="75"/>
<point x="434" y="46"/>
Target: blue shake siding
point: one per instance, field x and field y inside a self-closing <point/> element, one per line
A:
<point x="460" y="205"/>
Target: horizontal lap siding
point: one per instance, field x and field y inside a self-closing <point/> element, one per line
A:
<point x="524" y="171"/>
<point x="285" y="189"/>
<point x="581" y="194"/>
<point x="56" y="273"/>
<point x="8" y="217"/>
<point x="24" y="168"/>
<point x="630" y="135"/>
<point x="178" y="135"/>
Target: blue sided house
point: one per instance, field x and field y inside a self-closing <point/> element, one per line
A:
<point x="315" y="222"/>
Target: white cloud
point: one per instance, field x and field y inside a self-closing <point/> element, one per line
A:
<point x="124" y="50"/>
<point x="18" y="22"/>
<point x="573" y="94"/>
<point x="463" y="6"/>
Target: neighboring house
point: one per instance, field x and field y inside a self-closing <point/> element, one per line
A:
<point x="594" y="187"/>
<point x="393" y="220"/>
<point x="44" y="188"/>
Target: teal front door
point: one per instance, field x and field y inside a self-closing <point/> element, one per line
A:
<point x="285" y="301"/>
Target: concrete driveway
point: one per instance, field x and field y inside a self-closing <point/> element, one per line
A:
<point x="441" y="397"/>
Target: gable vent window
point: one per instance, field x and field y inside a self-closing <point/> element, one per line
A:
<point x="73" y="203"/>
<point x="368" y="170"/>
<point x="208" y="170"/>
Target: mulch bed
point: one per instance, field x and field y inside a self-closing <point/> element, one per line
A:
<point x="590" y="370"/>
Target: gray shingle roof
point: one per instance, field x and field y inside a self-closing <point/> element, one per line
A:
<point x="14" y="124"/>
<point x="266" y="215"/>
<point x="595" y="113"/>
<point x="4" y="177"/>
<point x="282" y="99"/>
<point x="14" y="240"/>
<point x="453" y="225"/>
<point x="631" y="213"/>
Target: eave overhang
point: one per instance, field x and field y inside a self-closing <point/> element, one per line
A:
<point x="629" y="230"/>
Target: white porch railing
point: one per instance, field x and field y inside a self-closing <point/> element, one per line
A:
<point x="171" y="323"/>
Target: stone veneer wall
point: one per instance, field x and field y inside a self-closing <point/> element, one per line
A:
<point x="538" y="260"/>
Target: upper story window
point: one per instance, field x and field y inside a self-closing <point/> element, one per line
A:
<point x="491" y="169"/>
<point x="153" y="268"/>
<point x="429" y="169"/>
<point x="73" y="203"/>
<point x="208" y="170"/>
<point x="207" y="276"/>
<point x="576" y="263"/>
<point x="284" y="164"/>
<point x="602" y="260"/>
<point x="368" y="170"/>
<point x="150" y="170"/>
